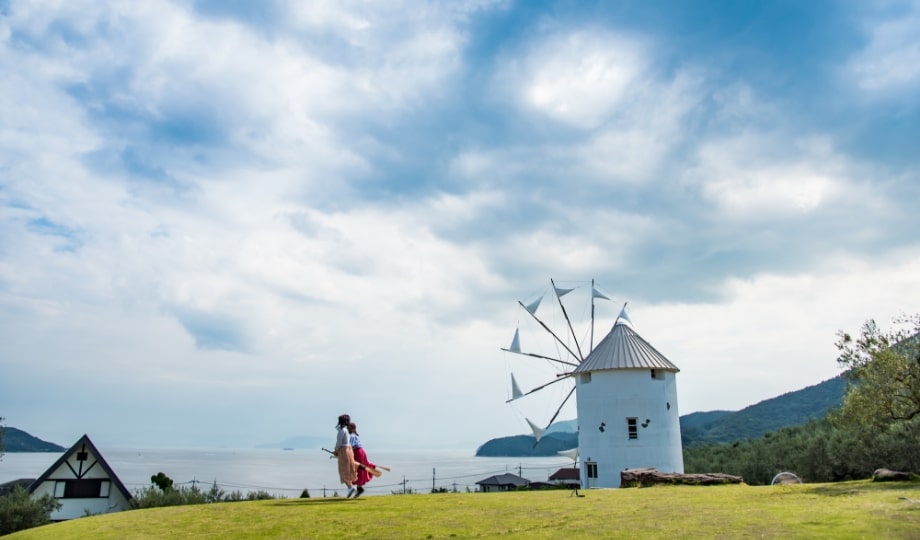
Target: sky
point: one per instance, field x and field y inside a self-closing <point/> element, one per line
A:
<point x="224" y="223"/>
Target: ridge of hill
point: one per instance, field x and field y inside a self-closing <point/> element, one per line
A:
<point x="697" y="428"/>
<point x="17" y="440"/>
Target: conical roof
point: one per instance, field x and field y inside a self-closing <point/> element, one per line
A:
<point x="623" y="348"/>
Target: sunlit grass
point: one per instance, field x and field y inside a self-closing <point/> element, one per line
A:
<point x="845" y="510"/>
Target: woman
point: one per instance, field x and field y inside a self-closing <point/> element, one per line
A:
<point x="364" y="476"/>
<point x="348" y="469"/>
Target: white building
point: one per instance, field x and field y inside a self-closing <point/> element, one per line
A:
<point x="83" y="483"/>
<point x="627" y="409"/>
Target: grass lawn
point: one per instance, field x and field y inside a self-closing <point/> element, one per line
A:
<point x="860" y="509"/>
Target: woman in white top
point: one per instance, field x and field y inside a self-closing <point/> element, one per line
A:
<point x="348" y="468"/>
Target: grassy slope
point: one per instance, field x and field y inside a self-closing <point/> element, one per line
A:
<point x="842" y="510"/>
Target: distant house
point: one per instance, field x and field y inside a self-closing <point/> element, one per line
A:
<point x="83" y="483"/>
<point x="569" y="476"/>
<point x="502" y="482"/>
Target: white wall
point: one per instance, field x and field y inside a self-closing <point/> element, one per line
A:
<point x="610" y="398"/>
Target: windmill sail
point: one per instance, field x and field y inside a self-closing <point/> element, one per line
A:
<point x="598" y="294"/>
<point x="571" y="453"/>
<point x="516" y="341"/>
<point x="537" y="431"/>
<point x="515" y="390"/>
<point x="560" y="292"/>
<point x="532" y="307"/>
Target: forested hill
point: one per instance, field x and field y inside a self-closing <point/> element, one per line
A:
<point x="790" y="409"/>
<point x="17" y="440"/>
<point x="699" y="428"/>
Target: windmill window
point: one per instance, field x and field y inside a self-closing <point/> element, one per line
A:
<point x="632" y="428"/>
<point x="658" y="374"/>
<point x="585" y="378"/>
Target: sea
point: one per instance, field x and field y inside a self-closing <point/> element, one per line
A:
<point x="287" y="473"/>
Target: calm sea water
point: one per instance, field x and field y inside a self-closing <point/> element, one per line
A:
<point x="286" y="473"/>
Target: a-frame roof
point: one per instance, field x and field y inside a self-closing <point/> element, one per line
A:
<point x="505" y="479"/>
<point x="80" y="445"/>
<point x="623" y="348"/>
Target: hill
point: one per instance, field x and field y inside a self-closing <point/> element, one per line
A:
<point x="17" y="440"/>
<point x="789" y="409"/>
<point x="524" y="445"/>
<point x="698" y="428"/>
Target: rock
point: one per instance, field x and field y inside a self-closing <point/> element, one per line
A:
<point x="649" y="477"/>
<point x="887" y="475"/>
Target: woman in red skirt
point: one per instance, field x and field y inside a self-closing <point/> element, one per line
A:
<point x="364" y="476"/>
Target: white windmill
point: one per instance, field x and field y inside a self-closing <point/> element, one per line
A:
<point x="626" y="393"/>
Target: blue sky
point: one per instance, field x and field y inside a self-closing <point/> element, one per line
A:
<point x="225" y="223"/>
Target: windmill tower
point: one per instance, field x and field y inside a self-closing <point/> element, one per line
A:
<point x="626" y="394"/>
<point x="628" y="417"/>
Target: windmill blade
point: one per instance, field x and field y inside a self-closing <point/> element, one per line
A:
<point x="568" y="321"/>
<point x="553" y="419"/>
<point x="562" y="377"/>
<point x="547" y="328"/>
<point x="537" y="432"/>
<point x="550" y="358"/>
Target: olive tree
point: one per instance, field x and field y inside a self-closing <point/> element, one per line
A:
<point x="884" y="367"/>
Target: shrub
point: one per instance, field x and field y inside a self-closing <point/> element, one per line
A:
<point x="18" y="511"/>
<point x="151" y="496"/>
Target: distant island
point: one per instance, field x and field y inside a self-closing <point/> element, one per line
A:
<point x="698" y="428"/>
<point x="17" y="440"/>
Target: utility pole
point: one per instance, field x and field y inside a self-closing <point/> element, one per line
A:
<point x="404" y="485"/>
<point x="432" y="479"/>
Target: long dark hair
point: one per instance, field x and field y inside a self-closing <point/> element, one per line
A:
<point x="343" y="421"/>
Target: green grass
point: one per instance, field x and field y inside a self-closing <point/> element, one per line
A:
<point x="844" y="510"/>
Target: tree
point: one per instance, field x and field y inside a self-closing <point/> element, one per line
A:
<point x="884" y="367"/>
<point x="162" y="481"/>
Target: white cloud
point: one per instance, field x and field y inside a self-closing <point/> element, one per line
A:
<point x="891" y="59"/>
<point x="750" y="175"/>
<point x="578" y="78"/>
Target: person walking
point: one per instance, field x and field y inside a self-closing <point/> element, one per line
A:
<point x="364" y="475"/>
<point x="348" y="468"/>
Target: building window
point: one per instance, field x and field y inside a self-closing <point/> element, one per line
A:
<point x="84" y="488"/>
<point x="585" y="378"/>
<point x="658" y="374"/>
<point x="632" y="428"/>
